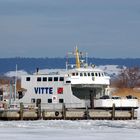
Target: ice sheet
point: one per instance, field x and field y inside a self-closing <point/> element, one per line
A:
<point x="71" y="130"/>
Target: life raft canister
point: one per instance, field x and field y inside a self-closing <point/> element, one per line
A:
<point x="56" y="113"/>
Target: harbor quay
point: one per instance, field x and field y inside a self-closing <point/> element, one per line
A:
<point x="37" y="113"/>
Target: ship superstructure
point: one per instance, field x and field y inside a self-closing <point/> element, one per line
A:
<point x="76" y="87"/>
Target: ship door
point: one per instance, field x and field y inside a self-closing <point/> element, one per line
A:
<point x="20" y="94"/>
<point x="38" y="102"/>
<point x="92" y="96"/>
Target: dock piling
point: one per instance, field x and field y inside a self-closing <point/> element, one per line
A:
<point x="132" y="113"/>
<point x="39" y="111"/>
<point x="86" y="114"/>
<point x="64" y="111"/>
<point x="21" y="111"/>
<point x="113" y="112"/>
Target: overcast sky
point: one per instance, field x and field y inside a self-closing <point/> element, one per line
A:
<point x="50" y="28"/>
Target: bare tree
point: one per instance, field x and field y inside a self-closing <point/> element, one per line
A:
<point x="128" y="78"/>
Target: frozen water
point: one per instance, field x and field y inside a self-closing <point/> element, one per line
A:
<point x="70" y="130"/>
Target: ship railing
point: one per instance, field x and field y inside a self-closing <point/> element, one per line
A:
<point x="57" y="106"/>
<point x="44" y="106"/>
<point x="52" y="106"/>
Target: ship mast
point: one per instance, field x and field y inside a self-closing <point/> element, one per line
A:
<point x="77" y="58"/>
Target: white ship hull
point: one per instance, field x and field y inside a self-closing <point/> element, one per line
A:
<point x="119" y="103"/>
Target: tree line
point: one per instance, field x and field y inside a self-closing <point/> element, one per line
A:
<point x="128" y="78"/>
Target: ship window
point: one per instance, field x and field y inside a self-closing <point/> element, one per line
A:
<point x="68" y="81"/>
<point x="49" y="78"/>
<point x="88" y="74"/>
<point x="61" y="100"/>
<point x="73" y="74"/>
<point x="55" y="78"/>
<point x="85" y="74"/>
<point x="61" y="79"/>
<point x="99" y="74"/>
<point x="44" y="78"/>
<point x="92" y="74"/>
<point x="102" y="74"/>
<point x="38" y="79"/>
<point x="96" y="74"/>
<point x="27" y="78"/>
<point x="77" y="74"/>
<point x="33" y="100"/>
<point x="49" y="100"/>
<point x="81" y="74"/>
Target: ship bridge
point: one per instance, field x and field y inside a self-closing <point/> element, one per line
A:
<point x="89" y="82"/>
<point x="89" y="76"/>
<point x="86" y="80"/>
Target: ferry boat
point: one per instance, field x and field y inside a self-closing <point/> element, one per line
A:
<point x="79" y="86"/>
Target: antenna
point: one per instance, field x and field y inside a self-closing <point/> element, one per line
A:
<point x="11" y="97"/>
<point x="78" y="55"/>
<point x="86" y="58"/>
<point x="15" y="84"/>
<point x="67" y="61"/>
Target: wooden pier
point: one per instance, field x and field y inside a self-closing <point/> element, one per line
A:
<point x="67" y="114"/>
